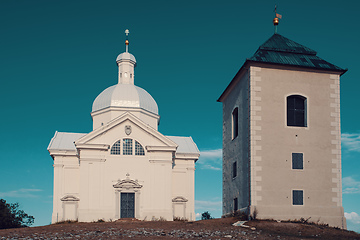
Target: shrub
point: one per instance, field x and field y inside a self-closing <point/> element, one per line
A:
<point x="67" y="221"/>
<point x="12" y="217"/>
<point x="206" y="215"/>
<point x="240" y="215"/>
<point x="180" y="219"/>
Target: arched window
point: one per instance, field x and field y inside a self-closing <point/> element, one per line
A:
<point x="235" y="123"/>
<point x="127" y="146"/>
<point x="115" y="149"/>
<point x="139" y="150"/>
<point x="296" y="111"/>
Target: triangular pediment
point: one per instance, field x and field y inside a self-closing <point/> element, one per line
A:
<point x="95" y="138"/>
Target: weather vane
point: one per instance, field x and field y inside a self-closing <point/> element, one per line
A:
<point x="276" y="19"/>
<point x="127" y="41"/>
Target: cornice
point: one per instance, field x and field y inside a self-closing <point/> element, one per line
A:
<point x="187" y="156"/>
<point x="161" y="148"/>
<point x="92" y="146"/>
<point x="93" y="159"/>
<point x="54" y="153"/>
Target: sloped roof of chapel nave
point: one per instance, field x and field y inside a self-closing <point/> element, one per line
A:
<point x="65" y="141"/>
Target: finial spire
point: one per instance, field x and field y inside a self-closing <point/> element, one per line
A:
<point x="127" y="41"/>
<point x="276" y="19"/>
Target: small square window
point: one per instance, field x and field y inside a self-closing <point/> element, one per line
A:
<point x="298" y="197"/>
<point x="297" y="161"/>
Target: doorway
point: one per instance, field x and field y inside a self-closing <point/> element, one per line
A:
<point x="127" y="205"/>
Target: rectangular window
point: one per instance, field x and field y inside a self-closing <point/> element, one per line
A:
<point x="234" y="170"/>
<point x="235" y="204"/>
<point x="298" y="197"/>
<point x="235" y="123"/>
<point x="297" y="161"/>
<point x="127" y="146"/>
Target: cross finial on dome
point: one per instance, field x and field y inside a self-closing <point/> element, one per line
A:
<point x="127" y="41"/>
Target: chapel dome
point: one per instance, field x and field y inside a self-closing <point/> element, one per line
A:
<point x="126" y="56"/>
<point x="126" y="96"/>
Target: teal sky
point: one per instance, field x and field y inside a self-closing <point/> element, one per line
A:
<point x="57" y="56"/>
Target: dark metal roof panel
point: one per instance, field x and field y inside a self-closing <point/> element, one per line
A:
<point x="283" y="44"/>
<point x="300" y="60"/>
<point x="281" y="50"/>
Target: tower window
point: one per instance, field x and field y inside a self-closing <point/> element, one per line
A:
<point x="234" y="170"/>
<point x="235" y="123"/>
<point x="297" y="161"/>
<point x="139" y="150"/>
<point x="115" y="149"/>
<point x="235" y="204"/>
<point x="296" y="111"/>
<point x="127" y="146"/>
<point x="298" y="197"/>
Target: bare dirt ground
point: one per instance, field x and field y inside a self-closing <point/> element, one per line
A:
<point x="206" y="229"/>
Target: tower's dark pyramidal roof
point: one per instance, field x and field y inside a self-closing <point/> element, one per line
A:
<point x="281" y="50"/>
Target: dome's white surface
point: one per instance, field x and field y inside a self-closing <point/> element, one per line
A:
<point x="125" y="95"/>
<point x="126" y="56"/>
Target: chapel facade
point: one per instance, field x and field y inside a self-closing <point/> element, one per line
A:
<point x="124" y="168"/>
<point x="281" y="136"/>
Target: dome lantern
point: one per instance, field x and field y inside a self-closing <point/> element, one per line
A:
<point x="126" y="63"/>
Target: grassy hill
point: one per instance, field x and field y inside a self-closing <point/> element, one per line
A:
<point x="205" y="229"/>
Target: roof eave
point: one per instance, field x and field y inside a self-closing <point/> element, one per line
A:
<point x="340" y="71"/>
<point x="225" y="92"/>
<point x="248" y="62"/>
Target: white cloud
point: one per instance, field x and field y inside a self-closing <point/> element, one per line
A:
<point x="208" y="166"/>
<point x="197" y="215"/>
<point x="352" y="217"/>
<point x="351" y="141"/>
<point x="208" y="205"/>
<point x="350" y="185"/>
<point x="23" y="193"/>
<point x="215" y="153"/>
<point x="211" y="159"/>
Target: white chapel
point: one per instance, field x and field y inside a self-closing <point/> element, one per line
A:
<point x="124" y="168"/>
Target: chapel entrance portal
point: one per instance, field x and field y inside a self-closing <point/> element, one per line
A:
<point x="127" y="205"/>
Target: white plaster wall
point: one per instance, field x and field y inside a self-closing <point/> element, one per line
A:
<point x="266" y="140"/>
<point x="101" y="171"/>
<point x="66" y="182"/>
<point x="272" y="176"/>
<point x="183" y="185"/>
<point x="91" y="176"/>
